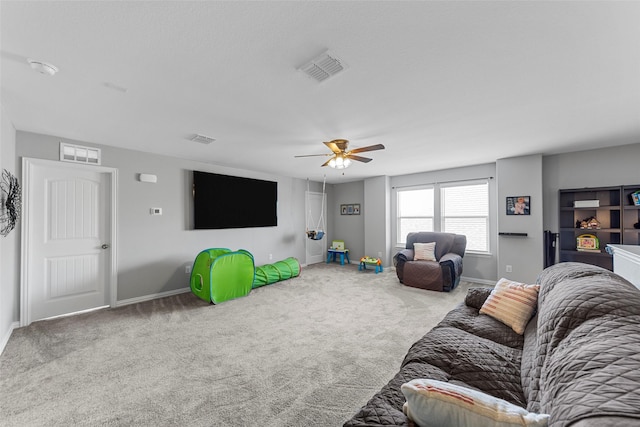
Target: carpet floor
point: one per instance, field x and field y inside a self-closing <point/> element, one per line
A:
<point x="308" y="351"/>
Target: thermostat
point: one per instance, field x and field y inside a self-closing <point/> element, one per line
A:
<point x="147" y="177"/>
<point x="155" y="211"/>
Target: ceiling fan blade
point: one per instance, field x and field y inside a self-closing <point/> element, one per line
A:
<point x="314" y="155"/>
<point x="368" y="148"/>
<point x="359" y="158"/>
<point x="326" y="163"/>
<point x="333" y="147"/>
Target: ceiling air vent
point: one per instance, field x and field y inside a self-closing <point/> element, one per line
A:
<point x="324" y="66"/>
<point x="202" y="139"/>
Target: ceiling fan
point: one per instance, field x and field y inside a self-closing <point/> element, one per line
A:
<point x="341" y="157"/>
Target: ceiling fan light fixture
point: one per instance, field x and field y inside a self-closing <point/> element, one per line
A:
<point x="339" y="161"/>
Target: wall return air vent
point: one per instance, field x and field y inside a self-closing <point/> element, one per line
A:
<point x="79" y="154"/>
<point x="324" y="66"/>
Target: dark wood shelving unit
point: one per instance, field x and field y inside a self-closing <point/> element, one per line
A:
<point x="608" y="213"/>
<point x="616" y="213"/>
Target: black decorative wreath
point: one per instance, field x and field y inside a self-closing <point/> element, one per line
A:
<point x="10" y="202"/>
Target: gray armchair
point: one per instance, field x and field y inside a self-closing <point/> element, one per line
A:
<point x="440" y="275"/>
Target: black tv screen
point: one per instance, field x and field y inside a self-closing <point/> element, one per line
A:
<point x="223" y="201"/>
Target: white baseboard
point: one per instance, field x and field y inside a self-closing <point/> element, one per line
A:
<point x="151" y="297"/>
<point x="74" y="313"/>
<point x="481" y="281"/>
<point x="6" y="337"/>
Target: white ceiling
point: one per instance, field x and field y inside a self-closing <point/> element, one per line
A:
<point x="440" y="84"/>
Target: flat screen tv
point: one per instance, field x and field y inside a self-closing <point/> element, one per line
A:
<point x="224" y="201"/>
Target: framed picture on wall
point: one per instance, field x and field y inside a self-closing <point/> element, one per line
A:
<point x="343" y="209"/>
<point x="356" y="209"/>
<point x="519" y="205"/>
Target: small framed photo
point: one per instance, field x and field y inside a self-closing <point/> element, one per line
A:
<point x="519" y="205"/>
<point x="349" y="209"/>
<point x="343" y="209"/>
<point x="356" y="209"/>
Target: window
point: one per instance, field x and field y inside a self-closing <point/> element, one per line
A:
<point x="465" y="210"/>
<point x="454" y="207"/>
<point x="415" y="211"/>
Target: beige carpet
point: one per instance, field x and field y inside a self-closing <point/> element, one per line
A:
<point x="308" y="351"/>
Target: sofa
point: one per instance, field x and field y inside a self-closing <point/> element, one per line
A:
<point x="440" y="270"/>
<point x="577" y="360"/>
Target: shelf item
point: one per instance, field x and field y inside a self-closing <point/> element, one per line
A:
<point x="586" y="203"/>
<point x="588" y="242"/>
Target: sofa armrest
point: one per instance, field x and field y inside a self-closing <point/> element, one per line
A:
<point x="451" y="264"/>
<point x="403" y="256"/>
<point x="398" y="262"/>
<point x="476" y="297"/>
<point x="451" y="256"/>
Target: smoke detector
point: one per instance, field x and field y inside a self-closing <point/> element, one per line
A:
<point x="42" y="67"/>
<point x="324" y="66"/>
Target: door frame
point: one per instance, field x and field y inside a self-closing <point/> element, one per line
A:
<point x="28" y="164"/>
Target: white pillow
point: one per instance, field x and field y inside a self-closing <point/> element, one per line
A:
<point x="432" y="403"/>
<point x="424" y="251"/>
<point x="512" y="303"/>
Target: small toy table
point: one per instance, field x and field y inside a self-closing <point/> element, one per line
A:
<point x="344" y="253"/>
<point x="377" y="262"/>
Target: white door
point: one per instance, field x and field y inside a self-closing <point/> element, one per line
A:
<point x="316" y="249"/>
<point x="68" y="239"/>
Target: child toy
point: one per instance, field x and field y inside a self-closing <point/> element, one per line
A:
<point x="377" y="262"/>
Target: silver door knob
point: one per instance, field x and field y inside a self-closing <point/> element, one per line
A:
<point x="105" y="246"/>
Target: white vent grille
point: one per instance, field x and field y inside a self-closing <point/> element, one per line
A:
<point x="324" y="66"/>
<point x="202" y="139"/>
<point x="79" y="154"/>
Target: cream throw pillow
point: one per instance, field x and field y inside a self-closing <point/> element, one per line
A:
<point x="432" y="403"/>
<point x="512" y="303"/>
<point x="424" y="251"/>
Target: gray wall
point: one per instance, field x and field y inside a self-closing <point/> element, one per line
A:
<point x="377" y="219"/>
<point x="9" y="245"/>
<point x="520" y="176"/>
<point x="153" y="251"/>
<point x="349" y="228"/>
